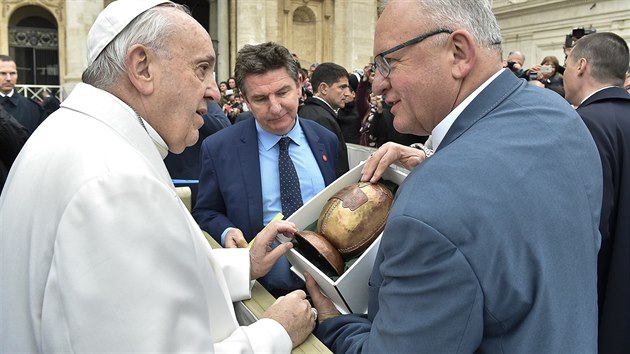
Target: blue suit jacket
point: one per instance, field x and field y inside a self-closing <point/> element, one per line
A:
<point x="607" y="116"/>
<point x="491" y="244"/>
<point x="230" y="189"/>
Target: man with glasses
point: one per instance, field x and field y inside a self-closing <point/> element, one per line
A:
<point x="491" y="244"/>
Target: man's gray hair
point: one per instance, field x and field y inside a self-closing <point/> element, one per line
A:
<point x="152" y="28"/>
<point x="516" y="52"/>
<point x="475" y="16"/>
<point x="608" y="55"/>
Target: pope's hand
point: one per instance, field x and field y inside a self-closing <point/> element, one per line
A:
<point x="262" y="256"/>
<point x="295" y="314"/>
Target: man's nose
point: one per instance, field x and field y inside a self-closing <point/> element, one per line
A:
<point x="212" y="91"/>
<point x="380" y="84"/>
<point x="274" y="105"/>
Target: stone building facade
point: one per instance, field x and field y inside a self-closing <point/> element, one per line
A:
<point x="537" y="28"/>
<point x="47" y="37"/>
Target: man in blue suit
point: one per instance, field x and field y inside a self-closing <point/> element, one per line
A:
<point x="239" y="189"/>
<point x="594" y="76"/>
<point x="491" y="243"/>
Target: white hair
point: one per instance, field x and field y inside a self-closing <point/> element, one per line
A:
<point x="475" y="16"/>
<point x="152" y="28"/>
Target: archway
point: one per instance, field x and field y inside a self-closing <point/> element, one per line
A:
<point x="33" y="44"/>
<point x="304" y="35"/>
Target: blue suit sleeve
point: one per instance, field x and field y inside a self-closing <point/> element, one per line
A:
<point x="210" y="210"/>
<point x="423" y="296"/>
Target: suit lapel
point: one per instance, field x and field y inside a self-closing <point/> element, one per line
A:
<point x="13" y="100"/>
<point x="319" y="151"/>
<point x="247" y="147"/>
<point x="503" y="86"/>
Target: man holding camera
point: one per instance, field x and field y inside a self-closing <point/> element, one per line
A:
<point x="515" y="61"/>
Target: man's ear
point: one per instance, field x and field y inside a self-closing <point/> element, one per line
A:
<point x="463" y="53"/>
<point x="322" y="89"/>
<point x="300" y="81"/>
<point x="139" y="61"/>
<point x="581" y="66"/>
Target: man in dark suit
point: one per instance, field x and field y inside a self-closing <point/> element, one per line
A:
<point x="12" y="137"/>
<point x="239" y="189"/>
<point x="26" y="111"/>
<point x="491" y="243"/>
<point x="594" y="76"/>
<point x="330" y="83"/>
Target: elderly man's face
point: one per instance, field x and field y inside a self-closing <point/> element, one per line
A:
<point x="516" y="58"/>
<point x="185" y="84"/>
<point x="420" y="88"/>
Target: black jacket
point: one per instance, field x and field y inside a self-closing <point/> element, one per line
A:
<point x="26" y="111"/>
<point x="315" y="109"/>
<point x="12" y="137"/>
<point x="607" y="116"/>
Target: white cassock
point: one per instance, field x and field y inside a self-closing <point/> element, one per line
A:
<point x="100" y="255"/>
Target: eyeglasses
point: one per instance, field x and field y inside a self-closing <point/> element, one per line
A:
<point x="382" y="65"/>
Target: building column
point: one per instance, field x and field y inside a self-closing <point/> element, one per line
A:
<point x="223" y="41"/>
<point x="79" y="17"/>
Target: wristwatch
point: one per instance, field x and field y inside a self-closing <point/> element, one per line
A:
<point x="428" y="152"/>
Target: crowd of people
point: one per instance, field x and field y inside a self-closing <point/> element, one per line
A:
<point x="510" y="233"/>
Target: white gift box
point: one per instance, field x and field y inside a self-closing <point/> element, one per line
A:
<point x="350" y="291"/>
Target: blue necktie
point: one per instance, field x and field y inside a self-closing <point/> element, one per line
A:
<point x="290" y="195"/>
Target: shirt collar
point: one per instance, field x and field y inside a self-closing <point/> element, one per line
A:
<point x="327" y="104"/>
<point x="594" y="92"/>
<point x="439" y="132"/>
<point x="10" y="94"/>
<point x="269" y="140"/>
